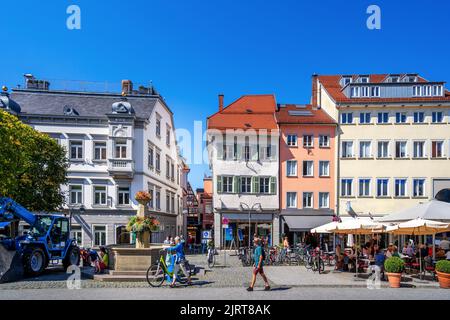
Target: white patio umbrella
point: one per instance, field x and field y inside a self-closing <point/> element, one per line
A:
<point x="419" y="227"/>
<point x="359" y="226"/>
<point x="432" y="210"/>
<point x="326" y="228"/>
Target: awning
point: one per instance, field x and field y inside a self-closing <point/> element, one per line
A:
<point x="3" y="225"/>
<point x="299" y="223"/>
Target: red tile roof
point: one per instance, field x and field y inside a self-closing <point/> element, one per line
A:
<point x="334" y="89"/>
<point x="318" y="116"/>
<point x="248" y="112"/>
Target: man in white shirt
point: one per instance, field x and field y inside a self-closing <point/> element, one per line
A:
<point x="445" y="244"/>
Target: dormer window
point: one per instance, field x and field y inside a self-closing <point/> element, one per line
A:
<point x="364" y="79"/>
<point x="355" y="92"/>
<point x="346" y="80"/>
<point x="437" y="90"/>
<point x="394" y="79"/>
<point x="410" y="79"/>
<point x="364" y="91"/>
<point x="417" y="91"/>
<point x="375" y="91"/>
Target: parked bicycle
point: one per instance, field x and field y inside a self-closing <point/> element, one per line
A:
<point x="211" y="257"/>
<point x="159" y="272"/>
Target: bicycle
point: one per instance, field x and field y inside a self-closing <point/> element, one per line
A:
<point x="157" y="273"/>
<point x="317" y="263"/>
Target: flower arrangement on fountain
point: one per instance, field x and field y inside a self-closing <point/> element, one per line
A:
<point x="143" y="224"/>
<point x="143" y="197"/>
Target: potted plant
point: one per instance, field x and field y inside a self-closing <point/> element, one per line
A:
<point x="394" y="267"/>
<point x="142" y="227"/>
<point x="443" y="273"/>
<point x="143" y="197"/>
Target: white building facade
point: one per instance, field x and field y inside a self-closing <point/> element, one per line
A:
<point x="117" y="145"/>
<point x="243" y="149"/>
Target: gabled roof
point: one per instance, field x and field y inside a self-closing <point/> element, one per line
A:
<point x="248" y="112"/>
<point x="302" y="114"/>
<point x="331" y="83"/>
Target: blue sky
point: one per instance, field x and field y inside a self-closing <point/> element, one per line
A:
<point x="193" y="50"/>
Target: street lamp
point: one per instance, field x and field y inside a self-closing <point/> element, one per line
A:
<point x="258" y="209"/>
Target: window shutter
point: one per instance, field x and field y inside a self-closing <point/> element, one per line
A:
<point x="239" y="152"/>
<point x="273" y="185"/>
<point x="263" y="153"/>
<point x="219" y="184"/>
<point x="235" y="184"/>
<point x="273" y="152"/>
<point x="219" y="148"/>
<point x="255" y="184"/>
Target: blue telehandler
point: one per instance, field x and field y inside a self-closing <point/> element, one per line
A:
<point x="48" y="240"/>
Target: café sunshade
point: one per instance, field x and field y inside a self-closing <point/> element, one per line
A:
<point x="433" y="210"/>
<point x="359" y="226"/>
<point x="419" y="227"/>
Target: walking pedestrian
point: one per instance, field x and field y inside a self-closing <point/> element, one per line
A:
<point x="258" y="266"/>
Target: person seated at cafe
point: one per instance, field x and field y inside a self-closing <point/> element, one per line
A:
<point x="422" y="252"/>
<point x="395" y="252"/>
<point x="408" y="250"/>
<point x="440" y="253"/>
<point x="365" y="251"/>
<point x="390" y="251"/>
<point x="349" y="258"/>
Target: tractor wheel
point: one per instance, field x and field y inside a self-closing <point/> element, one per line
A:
<point x="34" y="262"/>
<point x="72" y="257"/>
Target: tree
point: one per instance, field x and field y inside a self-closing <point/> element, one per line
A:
<point x="32" y="166"/>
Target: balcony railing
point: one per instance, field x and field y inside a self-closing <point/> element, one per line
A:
<point x="121" y="166"/>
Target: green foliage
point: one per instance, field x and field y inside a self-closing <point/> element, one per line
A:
<point x="394" y="265"/>
<point x="32" y="166"/>
<point x="443" y="266"/>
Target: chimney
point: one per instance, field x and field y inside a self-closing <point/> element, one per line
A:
<point x="36" y="84"/>
<point x="127" y="86"/>
<point x="314" y="91"/>
<point x="221" y="102"/>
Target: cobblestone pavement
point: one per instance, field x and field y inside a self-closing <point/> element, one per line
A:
<point x="233" y="275"/>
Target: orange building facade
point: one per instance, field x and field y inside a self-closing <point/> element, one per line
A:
<point x="307" y="169"/>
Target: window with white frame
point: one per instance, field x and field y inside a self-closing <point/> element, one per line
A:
<point x="383" y="149"/>
<point x="400" y="117"/>
<point x="419" y="187"/>
<point x="324" y="168"/>
<point x="151" y="191"/>
<point x="437" y="90"/>
<point x="426" y="90"/>
<point x="382" y="187"/>
<point x="347" y="118"/>
<point x="365" y="149"/>
<point x="120" y="149"/>
<point x="324" y="141"/>
<point x="365" y="91"/>
<point x="437" y="117"/>
<point x="158" y="126"/>
<point x="264" y="185"/>
<point x="291" y="168"/>
<point x="419" y="117"/>
<point x="247" y="153"/>
<point x="417" y="91"/>
<point x="437" y="149"/>
<point x="123" y="196"/>
<point x="151" y="157"/>
<point x="291" y="199"/>
<point x="308" y="200"/>
<point x="76" y="150"/>
<point x="308" y="141"/>
<point x="364" y="187"/>
<point x="383" y="117"/>
<point x="324" y="200"/>
<point x="76" y="194"/>
<point x="168" y="135"/>
<point x="167" y="168"/>
<point x="375" y="91"/>
<point x="167" y="201"/>
<point x="76" y="233"/>
<point x="364" y="118"/>
<point x="292" y="140"/>
<point x="100" y="197"/>
<point x="227" y="184"/>
<point x="419" y="149"/>
<point x="308" y="168"/>
<point x="346" y="187"/>
<point x="346" y="80"/>
<point x="347" y="149"/>
<point x="400" y="187"/>
<point x="158" y="199"/>
<point x="355" y="92"/>
<point x="364" y="79"/>
<point x="246" y="184"/>
<point x="99" y="151"/>
<point x="99" y="236"/>
<point x="401" y="149"/>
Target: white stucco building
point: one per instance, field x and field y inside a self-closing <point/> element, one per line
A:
<point x="244" y="146"/>
<point x="117" y="144"/>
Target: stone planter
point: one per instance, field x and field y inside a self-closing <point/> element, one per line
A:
<point x="444" y="279"/>
<point x="143" y="240"/>
<point x="394" y="279"/>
